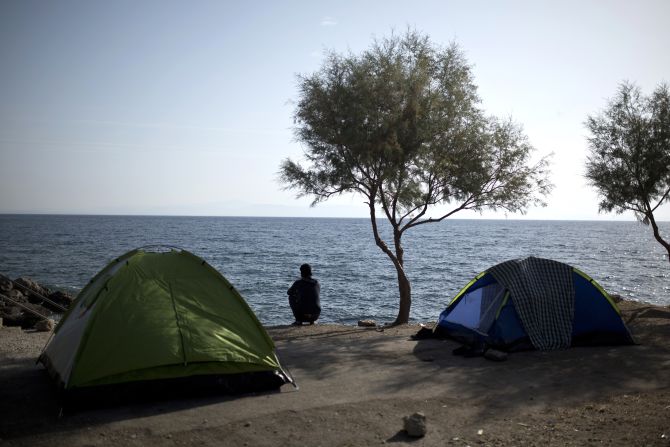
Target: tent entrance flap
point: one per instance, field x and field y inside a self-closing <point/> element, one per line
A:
<point x="477" y="309"/>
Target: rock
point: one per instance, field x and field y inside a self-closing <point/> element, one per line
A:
<point x="15" y="318"/>
<point x="616" y="298"/>
<point x="29" y="318"/>
<point x="367" y="323"/>
<point x="47" y="325"/>
<point x="495" y="355"/>
<point x="5" y="285"/>
<point x="59" y="297"/>
<point x="32" y="285"/>
<point x="415" y="425"/>
<point x="25" y="308"/>
<point x="11" y="314"/>
<point x="20" y="314"/>
<point x="16" y="295"/>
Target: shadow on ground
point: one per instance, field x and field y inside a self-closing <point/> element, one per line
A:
<point x="373" y="368"/>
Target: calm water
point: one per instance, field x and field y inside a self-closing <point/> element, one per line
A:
<point x="261" y="256"/>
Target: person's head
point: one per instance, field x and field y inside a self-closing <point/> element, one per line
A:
<point x="305" y="271"/>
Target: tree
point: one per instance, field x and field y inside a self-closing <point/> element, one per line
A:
<point x="629" y="154"/>
<point x="400" y="124"/>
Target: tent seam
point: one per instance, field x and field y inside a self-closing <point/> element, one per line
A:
<point x="176" y="317"/>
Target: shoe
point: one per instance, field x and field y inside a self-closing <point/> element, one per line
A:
<point x="469" y="351"/>
<point x="474" y="352"/>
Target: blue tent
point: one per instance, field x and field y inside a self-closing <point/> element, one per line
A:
<point x="533" y="303"/>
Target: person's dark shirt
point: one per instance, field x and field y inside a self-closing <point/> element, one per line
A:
<point x="305" y="292"/>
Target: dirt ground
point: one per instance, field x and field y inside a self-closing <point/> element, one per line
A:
<point x="356" y="384"/>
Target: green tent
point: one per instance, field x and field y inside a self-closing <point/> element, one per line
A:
<point x="151" y="316"/>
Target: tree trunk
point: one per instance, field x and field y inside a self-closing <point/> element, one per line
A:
<point x="403" y="283"/>
<point x="405" y="297"/>
<point x="657" y="234"/>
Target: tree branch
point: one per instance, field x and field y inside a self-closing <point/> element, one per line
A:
<point x="665" y="196"/>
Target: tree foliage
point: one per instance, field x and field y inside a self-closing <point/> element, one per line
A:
<point x="401" y="125"/>
<point x="629" y="153"/>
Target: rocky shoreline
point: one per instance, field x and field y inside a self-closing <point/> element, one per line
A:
<point x="30" y="305"/>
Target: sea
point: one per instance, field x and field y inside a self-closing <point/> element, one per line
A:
<point x="261" y="256"/>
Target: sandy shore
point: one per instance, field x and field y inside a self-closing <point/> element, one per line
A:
<point x="356" y="385"/>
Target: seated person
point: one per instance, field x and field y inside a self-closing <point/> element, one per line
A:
<point x="303" y="296"/>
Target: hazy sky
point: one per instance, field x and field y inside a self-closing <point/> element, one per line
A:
<point x="163" y="107"/>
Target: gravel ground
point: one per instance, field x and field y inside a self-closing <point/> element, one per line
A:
<point x="357" y="384"/>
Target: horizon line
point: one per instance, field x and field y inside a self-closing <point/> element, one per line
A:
<point x="300" y="217"/>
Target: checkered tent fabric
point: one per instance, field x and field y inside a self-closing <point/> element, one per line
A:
<point x="543" y="294"/>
